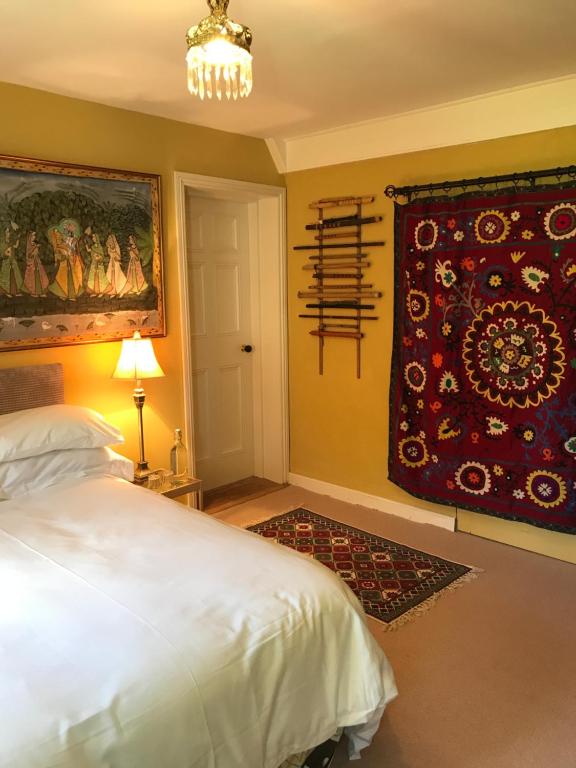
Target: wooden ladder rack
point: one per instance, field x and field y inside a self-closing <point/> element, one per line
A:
<point x="349" y="290"/>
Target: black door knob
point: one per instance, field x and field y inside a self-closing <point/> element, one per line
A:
<point x="246" y="347"/>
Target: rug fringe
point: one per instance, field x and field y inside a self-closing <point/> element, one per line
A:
<point x="425" y="605"/>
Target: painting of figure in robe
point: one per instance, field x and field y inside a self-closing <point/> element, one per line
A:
<point x="10" y="274"/>
<point x="97" y="282"/>
<point x="116" y="277"/>
<point x="135" y="280"/>
<point x="35" y="278"/>
<point x="80" y="254"/>
<point x="68" y="279"/>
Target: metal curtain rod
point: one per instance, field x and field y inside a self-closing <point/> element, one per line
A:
<point x="392" y="191"/>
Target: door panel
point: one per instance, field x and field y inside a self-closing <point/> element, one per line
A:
<point x="201" y="414"/>
<point x="218" y="258"/>
<point x="227" y="306"/>
<point x="197" y="283"/>
<point x="230" y="432"/>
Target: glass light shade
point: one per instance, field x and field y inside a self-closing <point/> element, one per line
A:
<point x="219" y="68"/>
<point x="137" y="360"/>
<point x="219" y="59"/>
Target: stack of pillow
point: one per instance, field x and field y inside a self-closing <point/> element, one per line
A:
<point x="44" y="446"/>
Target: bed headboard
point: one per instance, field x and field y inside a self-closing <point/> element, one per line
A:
<point x="30" y="387"/>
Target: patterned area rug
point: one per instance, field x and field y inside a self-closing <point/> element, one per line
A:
<point x="392" y="581"/>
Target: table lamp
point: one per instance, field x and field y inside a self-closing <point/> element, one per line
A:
<point x="137" y="361"/>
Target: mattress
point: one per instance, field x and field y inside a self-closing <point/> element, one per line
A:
<point x="138" y="633"/>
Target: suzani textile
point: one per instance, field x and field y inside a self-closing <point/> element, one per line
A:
<point x="483" y="393"/>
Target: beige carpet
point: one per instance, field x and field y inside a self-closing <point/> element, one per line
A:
<point x="487" y="677"/>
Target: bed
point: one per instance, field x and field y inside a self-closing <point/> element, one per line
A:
<point x="139" y="633"/>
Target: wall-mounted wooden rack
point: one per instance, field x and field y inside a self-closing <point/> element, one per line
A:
<point x="339" y="277"/>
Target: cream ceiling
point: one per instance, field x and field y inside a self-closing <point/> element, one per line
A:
<point x="318" y="64"/>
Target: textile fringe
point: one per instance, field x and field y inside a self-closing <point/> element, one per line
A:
<point x="425" y="605"/>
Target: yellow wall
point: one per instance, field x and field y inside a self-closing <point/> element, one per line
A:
<point x="43" y="125"/>
<point x="338" y="424"/>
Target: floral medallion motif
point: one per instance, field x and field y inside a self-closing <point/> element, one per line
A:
<point x="491" y="227"/>
<point x="412" y="452"/>
<point x="483" y="384"/>
<point x="418" y="305"/>
<point x="560" y="221"/>
<point x="547" y="489"/>
<point x="415" y="376"/>
<point x="473" y="477"/>
<point x="426" y="234"/>
<point x="513" y="354"/>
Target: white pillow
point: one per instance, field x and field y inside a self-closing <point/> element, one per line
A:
<point x="25" y="475"/>
<point x="53" y="428"/>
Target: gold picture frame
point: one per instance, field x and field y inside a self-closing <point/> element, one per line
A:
<point x="80" y="254"/>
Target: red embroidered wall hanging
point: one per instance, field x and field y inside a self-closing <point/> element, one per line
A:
<point x="483" y="386"/>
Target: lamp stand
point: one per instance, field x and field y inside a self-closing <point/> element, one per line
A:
<point x="142" y="471"/>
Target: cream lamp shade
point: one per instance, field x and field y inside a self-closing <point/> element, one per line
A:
<point x="137" y="360"/>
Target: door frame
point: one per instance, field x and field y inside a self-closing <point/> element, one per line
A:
<point x="268" y="290"/>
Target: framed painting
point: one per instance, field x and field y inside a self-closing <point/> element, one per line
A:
<point x="80" y="254"/>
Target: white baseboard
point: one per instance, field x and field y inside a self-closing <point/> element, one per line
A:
<point x="407" y="511"/>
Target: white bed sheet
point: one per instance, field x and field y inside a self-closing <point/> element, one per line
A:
<point x="137" y="633"/>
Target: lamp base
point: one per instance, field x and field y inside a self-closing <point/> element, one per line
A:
<point x="141" y="473"/>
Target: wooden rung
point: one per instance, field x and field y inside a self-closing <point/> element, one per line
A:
<point x="333" y="235"/>
<point x="338" y="334"/>
<point x="342" y="221"/>
<point x="350" y="265"/>
<point x="344" y="295"/>
<point x="326" y="256"/>
<point x="337" y="275"/>
<point x="317" y="246"/>
<point x="339" y="317"/>
<point x="340" y="305"/>
<point x="342" y="286"/>
<point x="337" y="202"/>
<point x="338" y="325"/>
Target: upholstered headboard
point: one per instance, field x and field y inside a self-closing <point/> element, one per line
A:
<point x="30" y="387"/>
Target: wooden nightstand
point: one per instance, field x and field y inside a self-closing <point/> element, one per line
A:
<point x="184" y="487"/>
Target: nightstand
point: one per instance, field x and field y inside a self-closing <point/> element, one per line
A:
<point x="183" y="487"/>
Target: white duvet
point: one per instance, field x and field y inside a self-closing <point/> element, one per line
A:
<point x="137" y="633"/>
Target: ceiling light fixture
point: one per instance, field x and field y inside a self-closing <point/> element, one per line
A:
<point x="219" y="59"/>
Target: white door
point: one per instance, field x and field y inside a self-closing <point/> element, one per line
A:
<point x="218" y="261"/>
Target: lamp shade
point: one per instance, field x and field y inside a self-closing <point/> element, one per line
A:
<point x="219" y="58"/>
<point x="137" y="360"/>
